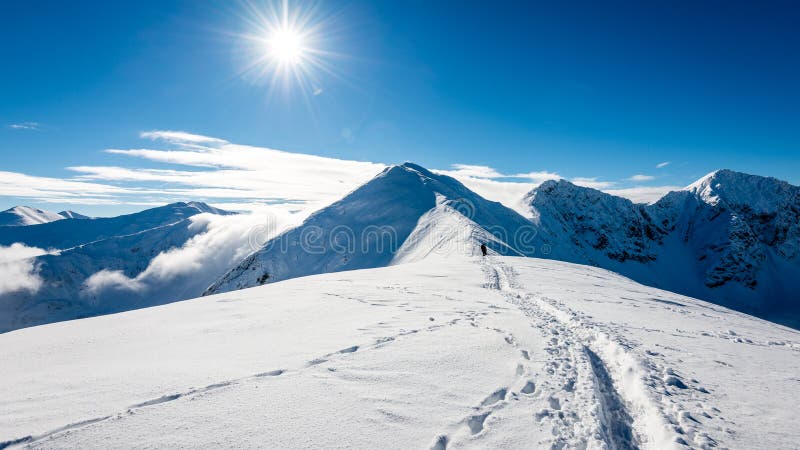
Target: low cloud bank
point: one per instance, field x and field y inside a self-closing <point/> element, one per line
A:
<point x="18" y="268"/>
<point x="221" y="242"/>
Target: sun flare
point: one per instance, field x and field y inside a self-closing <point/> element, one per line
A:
<point x="286" y="46"/>
<point x="289" y="48"/>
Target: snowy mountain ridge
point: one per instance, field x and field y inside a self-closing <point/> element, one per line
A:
<point x="25" y="215"/>
<point x="731" y="238"/>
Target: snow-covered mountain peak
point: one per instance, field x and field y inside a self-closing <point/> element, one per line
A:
<point x="585" y="225"/>
<point x="556" y="190"/>
<point x="404" y="207"/>
<point x="441" y="184"/>
<point x="737" y="190"/>
<point x="730" y="237"/>
<point x="25" y="215"/>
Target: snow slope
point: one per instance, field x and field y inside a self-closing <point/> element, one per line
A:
<point x="25" y="215"/>
<point x="447" y="352"/>
<point x="730" y="238"/>
<point x="371" y="225"/>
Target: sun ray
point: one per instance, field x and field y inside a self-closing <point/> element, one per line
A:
<point x="285" y="47"/>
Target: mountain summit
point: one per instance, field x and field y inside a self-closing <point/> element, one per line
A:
<point x="25" y="215"/>
<point x="760" y="194"/>
<point x="405" y="213"/>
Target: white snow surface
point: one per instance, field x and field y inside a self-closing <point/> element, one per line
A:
<point x="446" y="352"/>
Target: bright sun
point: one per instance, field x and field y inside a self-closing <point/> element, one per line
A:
<point x="286" y="46"/>
<point x="290" y="48"/>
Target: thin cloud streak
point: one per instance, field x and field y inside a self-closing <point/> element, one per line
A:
<point x="643" y="194"/>
<point x="179" y="137"/>
<point x="593" y="183"/>
<point x="31" y="126"/>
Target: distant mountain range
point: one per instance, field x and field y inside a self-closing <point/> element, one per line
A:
<point x="25" y="215"/>
<point x="729" y="238"/>
<point x="70" y="233"/>
<point x="124" y="245"/>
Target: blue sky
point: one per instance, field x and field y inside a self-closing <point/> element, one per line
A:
<point x="592" y="92"/>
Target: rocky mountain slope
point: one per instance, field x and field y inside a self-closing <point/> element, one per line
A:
<point x="731" y="238"/>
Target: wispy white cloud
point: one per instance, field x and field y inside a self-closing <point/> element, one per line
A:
<point x="640" y="177"/>
<point x="245" y="172"/>
<point x="469" y="170"/>
<point x="538" y="177"/>
<point x="643" y="194"/>
<point x="180" y="137"/>
<point x="508" y="189"/>
<point x="505" y="192"/>
<point x="213" y="170"/>
<point x="238" y="176"/>
<point x="662" y="164"/>
<point x="24" y="126"/>
<point x="592" y="182"/>
<point x="46" y="189"/>
<point x="477" y="171"/>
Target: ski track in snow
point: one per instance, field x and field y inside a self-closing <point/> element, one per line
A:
<point x="599" y="376"/>
<point x="584" y="407"/>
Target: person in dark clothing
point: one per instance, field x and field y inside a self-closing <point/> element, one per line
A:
<point x="483" y="249"/>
